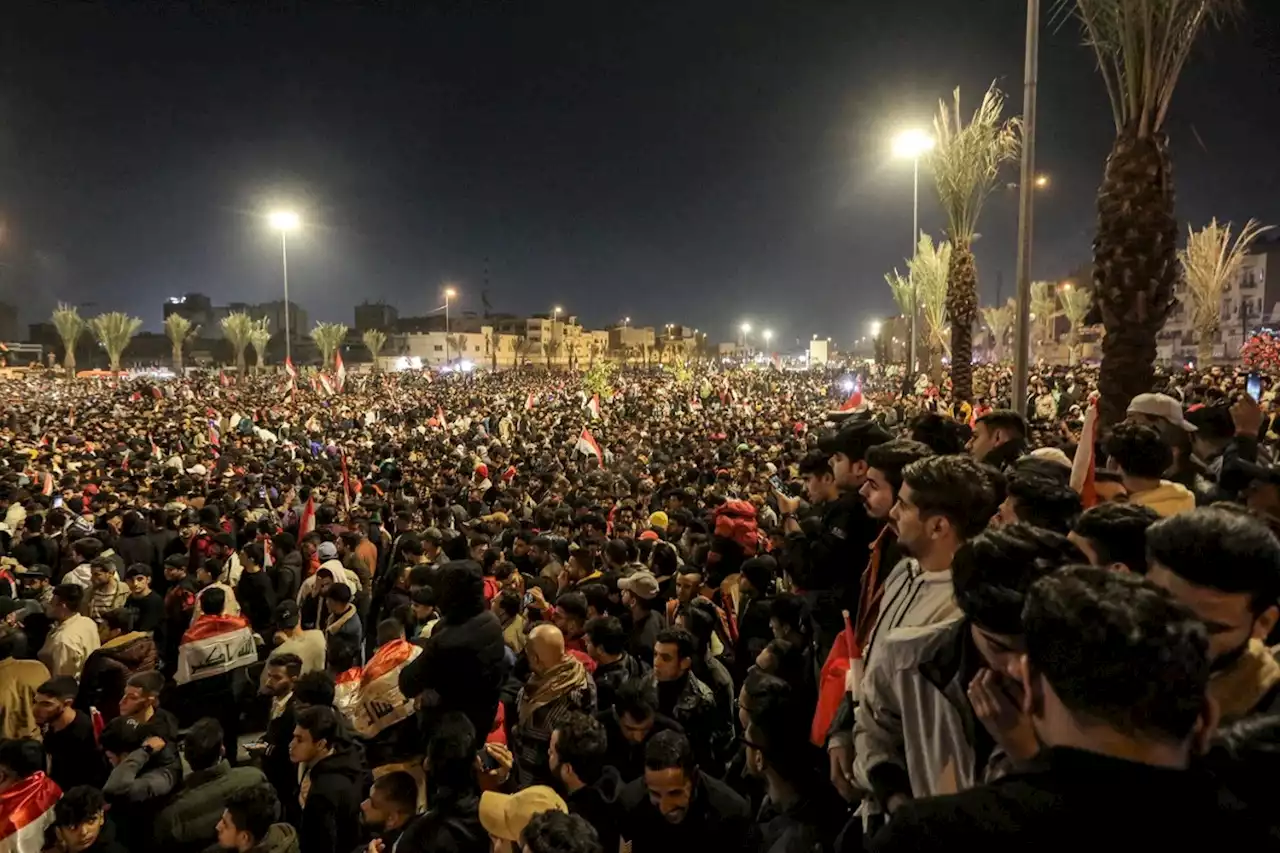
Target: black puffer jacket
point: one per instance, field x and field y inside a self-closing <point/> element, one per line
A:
<point x="331" y="814"/>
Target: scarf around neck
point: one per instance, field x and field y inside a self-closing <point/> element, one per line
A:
<point x="542" y="690"/>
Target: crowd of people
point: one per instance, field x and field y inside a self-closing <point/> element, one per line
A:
<point x="743" y="608"/>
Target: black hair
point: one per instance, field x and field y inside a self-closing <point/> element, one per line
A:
<point x="88" y="548"/>
<point x="460" y="590"/>
<point x="314" y="688"/>
<point x="1005" y="419"/>
<point x="388" y="630"/>
<point x="992" y="572"/>
<point x="253" y="810"/>
<point x="1118" y="649"/>
<point x="954" y="487"/>
<point x="21" y="756"/>
<point x="597" y="595"/>
<point x="761" y="572"/>
<point x="1117" y="532"/>
<point x="400" y="789"/>
<point x="892" y="457"/>
<point x="138" y="570"/>
<point x="1219" y="549"/>
<point x="290" y="662"/>
<point x="340" y="593"/>
<point x="573" y="604"/>
<point x="669" y="749"/>
<point x="78" y="806"/>
<point x="1043" y="502"/>
<point x="790" y="610"/>
<point x="817" y="463"/>
<point x="607" y="634"/>
<point x="554" y="831"/>
<point x="213" y="601"/>
<point x="120" y="619"/>
<point x="202" y="746"/>
<point x="323" y="724"/>
<point x="121" y="736"/>
<point x="582" y="744"/>
<point x="70" y="594"/>
<point x="342" y="652"/>
<point x="1139" y="450"/>
<point x="423" y="596"/>
<point x="255" y="552"/>
<point x="509" y="602"/>
<point x="150" y="682"/>
<point x="13" y="642"/>
<point x="684" y="641"/>
<point x="944" y="436"/>
<point x="637" y="698"/>
<point x="451" y="753"/>
<point x="62" y="687"/>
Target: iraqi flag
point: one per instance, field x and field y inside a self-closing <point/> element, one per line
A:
<point x="288" y="369"/>
<point x="346" y="692"/>
<point x="528" y="403"/>
<point x="215" y="645"/>
<point x="339" y="372"/>
<point x="379" y="703"/>
<point x="308" y="521"/>
<point x="587" y="444"/>
<point x="47" y="489"/>
<point x="594" y="406"/>
<point x="444" y="424"/>
<point x="1083" y="465"/>
<point x="326" y="385"/>
<point x="26" y="810"/>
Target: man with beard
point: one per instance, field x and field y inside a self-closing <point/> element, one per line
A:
<point x="819" y="554"/>
<point x="389" y="809"/>
<point x="675" y="806"/>
<point x="1225" y="567"/>
<point x="591" y="789"/>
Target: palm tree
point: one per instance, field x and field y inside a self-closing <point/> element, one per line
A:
<point x="1044" y="312"/>
<point x="179" y="330"/>
<point x="999" y="319"/>
<point x="328" y="337"/>
<point x="1141" y="49"/>
<point x="374" y="341"/>
<point x="966" y="162"/>
<point x="70" y="326"/>
<point x="455" y="344"/>
<point x="1076" y="302"/>
<point x="1210" y="262"/>
<point x="927" y="272"/>
<point x="525" y="348"/>
<point x="551" y="351"/>
<point x="114" y="330"/>
<point x="259" y="337"/>
<point x="238" y="328"/>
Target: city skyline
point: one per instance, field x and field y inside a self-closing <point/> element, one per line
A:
<point x="708" y="165"/>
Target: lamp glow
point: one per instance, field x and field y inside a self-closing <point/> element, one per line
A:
<point x="911" y="144"/>
<point x="284" y="220"/>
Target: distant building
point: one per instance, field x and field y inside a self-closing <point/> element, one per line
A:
<point x="376" y="315"/>
<point x="10" y="329"/>
<point x="201" y="311"/>
<point x="628" y="339"/>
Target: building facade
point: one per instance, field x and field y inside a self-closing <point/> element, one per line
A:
<point x="201" y="311"/>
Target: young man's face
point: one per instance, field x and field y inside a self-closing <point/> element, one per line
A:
<point x="229" y="838"/>
<point x="101" y="577"/>
<point x="303" y="748"/>
<point x="877" y="494"/>
<point x="277" y="681"/>
<point x="139" y="585"/>
<point x="667" y="664"/>
<point x="135" y="701"/>
<point x="687" y="586"/>
<point x="47" y="708"/>
<point x="670" y="791"/>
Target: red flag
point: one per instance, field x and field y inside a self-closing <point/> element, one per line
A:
<point x="855" y="398"/>
<point x="308" y="521"/>
<point x="528" y="404"/>
<point x="26" y="810"/>
<point x="594" y="405"/>
<point x="440" y="418"/>
<point x="288" y="368"/>
<point x="587" y="444"/>
<point x="340" y="372"/>
<point x="47" y="489"/>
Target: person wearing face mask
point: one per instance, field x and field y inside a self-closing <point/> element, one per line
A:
<point x="1225" y="566"/>
<point x="1114" y="676"/>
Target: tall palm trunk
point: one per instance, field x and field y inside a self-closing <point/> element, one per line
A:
<point x="962" y="307"/>
<point x="69" y="362"/>
<point x="1204" y="349"/>
<point x="1135" y="265"/>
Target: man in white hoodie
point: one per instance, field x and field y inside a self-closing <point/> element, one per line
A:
<point x="944" y="501"/>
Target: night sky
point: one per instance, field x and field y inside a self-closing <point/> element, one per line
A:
<point x="702" y="161"/>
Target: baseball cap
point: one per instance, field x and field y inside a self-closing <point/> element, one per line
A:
<point x="327" y="551"/>
<point x="853" y="439"/>
<point x="35" y="571"/>
<point x="658" y="520"/>
<point x="1160" y="406"/>
<point x="504" y="816"/>
<point x="642" y="584"/>
<point x="287" y="613"/>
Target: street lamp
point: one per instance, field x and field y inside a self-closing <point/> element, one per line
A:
<point x="625" y="321"/>
<point x="449" y="293"/>
<point x="285" y="221"/>
<point x="1042" y="182"/>
<point x="913" y="144"/>
<point x="768" y="335"/>
<point x="875" y="328"/>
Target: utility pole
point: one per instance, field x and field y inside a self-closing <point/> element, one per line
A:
<point x="1026" y="210"/>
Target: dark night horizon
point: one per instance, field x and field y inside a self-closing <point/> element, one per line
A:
<point x="698" y="163"/>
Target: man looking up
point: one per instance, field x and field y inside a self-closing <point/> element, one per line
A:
<point x="999" y="438"/>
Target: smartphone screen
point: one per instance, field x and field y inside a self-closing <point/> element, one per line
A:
<point x="1253" y="386"/>
<point x="57" y="501"/>
<point x="778" y="485"/>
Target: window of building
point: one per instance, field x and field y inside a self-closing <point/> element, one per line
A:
<point x="438" y="348"/>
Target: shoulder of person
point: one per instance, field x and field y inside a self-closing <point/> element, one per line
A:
<point x="908" y="647"/>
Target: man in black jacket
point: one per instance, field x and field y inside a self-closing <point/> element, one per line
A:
<point x="630" y="724"/>
<point x="674" y="806"/>
<point x="290" y="692"/>
<point x="390" y="808"/>
<point x="331" y="784"/>
<point x="607" y="645"/>
<point x="1114" y="683"/>
<point x="579" y="748"/>
<point x="463" y="663"/>
<point x="824" y="556"/>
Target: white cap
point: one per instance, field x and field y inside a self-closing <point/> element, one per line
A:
<point x="1160" y="406"/>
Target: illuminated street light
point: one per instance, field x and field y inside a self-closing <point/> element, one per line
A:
<point x="449" y="293"/>
<point x="746" y="328"/>
<point x="285" y="221"/>
<point x="913" y="144"/>
<point x="875" y="328"/>
<point x="768" y="335"/>
<point x="1042" y="182"/>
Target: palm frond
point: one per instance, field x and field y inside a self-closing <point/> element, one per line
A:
<point x="114" y="330"/>
<point x="928" y="269"/>
<point x="1075" y="302"/>
<point x="259" y="337"/>
<point x="328" y="337"/>
<point x="178" y="329"/>
<point x="1141" y="48"/>
<point x="1210" y="261"/>
<point x="69" y="324"/>
<point x="374" y="341"/>
<point x="237" y="328"/>
<point x="966" y="158"/>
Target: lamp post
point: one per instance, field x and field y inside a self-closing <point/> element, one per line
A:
<point x="913" y="144"/>
<point x="1026" y="210"/>
<point x="285" y="221"/>
<point x="745" y="328"/>
<point x="449" y="293"/>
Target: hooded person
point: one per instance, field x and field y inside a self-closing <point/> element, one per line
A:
<point x="463" y="663"/>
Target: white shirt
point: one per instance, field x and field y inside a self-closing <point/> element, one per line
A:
<point x="69" y="645"/>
